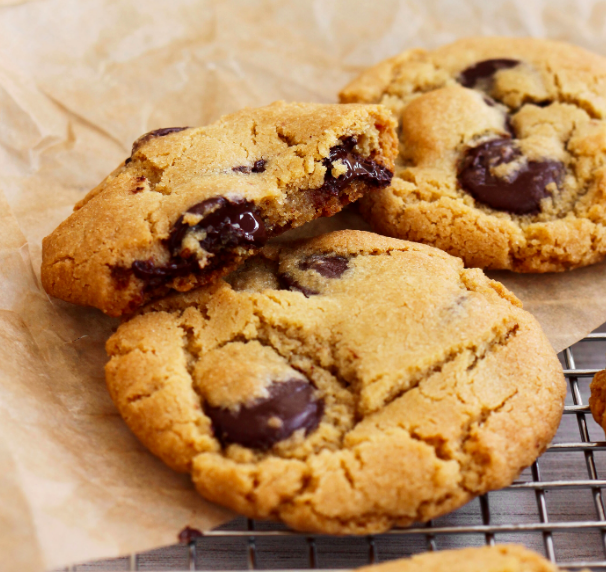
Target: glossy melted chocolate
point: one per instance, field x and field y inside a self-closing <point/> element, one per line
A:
<point x="520" y="193"/>
<point x="291" y="405"/>
<point x="470" y="76"/>
<point x="229" y="223"/>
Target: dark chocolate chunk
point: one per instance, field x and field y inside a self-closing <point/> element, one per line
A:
<point x="157" y="275"/>
<point x="226" y="223"/>
<point x="291" y="405"/>
<point x="156" y="133"/>
<point x="188" y="535"/>
<point x="521" y="192"/>
<point x="287" y="282"/>
<point x="258" y="167"/>
<point x="127" y="161"/>
<point x="470" y="76"/>
<point x="327" y="266"/>
<point x="358" y="168"/>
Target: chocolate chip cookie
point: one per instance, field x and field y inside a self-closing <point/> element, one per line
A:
<point x="343" y="384"/>
<point x="502" y="152"/>
<point x="597" y="398"/>
<point x="190" y="204"/>
<point x="498" y="558"/>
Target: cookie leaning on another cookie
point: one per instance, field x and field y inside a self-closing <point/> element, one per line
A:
<point x="498" y="558"/>
<point x="343" y="384"/>
<point x="502" y="151"/>
<point x="190" y="204"/>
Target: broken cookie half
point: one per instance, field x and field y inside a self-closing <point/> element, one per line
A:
<point x="190" y="204"/>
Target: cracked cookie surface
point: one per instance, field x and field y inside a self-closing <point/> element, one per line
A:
<point x="502" y="152"/>
<point x="343" y="384"/>
<point x="190" y="204"/>
<point x="498" y="558"/>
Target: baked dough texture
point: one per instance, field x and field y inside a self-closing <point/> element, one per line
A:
<point x="191" y="203"/>
<point x="597" y="398"/>
<point x="498" y="558"/>
<point x="543" y="103"/>
<point x="423" y="384"/>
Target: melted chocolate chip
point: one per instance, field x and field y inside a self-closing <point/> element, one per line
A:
<point x="226" y="224"/>
<point x="521" y="192"/>
<point x="483" y="70"/>
<point x="157" y="275"/>
<point x="188" y="535"/>
<point x="358" y="168"/>
<point x="258" y="167"/>
<point x="327" y="266"/>
<point x="287" y="282"/>
<point x="291" y="405"/>
<point x="156" y="133"/>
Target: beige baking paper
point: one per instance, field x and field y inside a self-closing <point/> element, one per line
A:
<point x="79" y="81"/>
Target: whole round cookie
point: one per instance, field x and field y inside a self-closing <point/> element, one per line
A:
<point x="502" y="151"/>
<point x="498" y="558"/>
<point x="343" y="384"/>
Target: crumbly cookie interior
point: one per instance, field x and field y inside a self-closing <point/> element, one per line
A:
<point x="190" y="204"/>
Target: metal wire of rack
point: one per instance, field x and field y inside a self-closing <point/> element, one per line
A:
<point x="567" y="522"/>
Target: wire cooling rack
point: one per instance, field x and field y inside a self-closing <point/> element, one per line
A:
<point x="556" y="507"/>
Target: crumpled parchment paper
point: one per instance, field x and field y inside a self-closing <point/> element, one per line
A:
<point x="79" y="81"/>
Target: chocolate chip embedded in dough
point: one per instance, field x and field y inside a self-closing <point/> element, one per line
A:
<point x="156" y="133"/>
<point x="147" y="270"/>
<point x="358" y="168"/>
<point x="327" y="266"/>
<point x="521" y="191"/>
<point x="258" y="167"/>
<point x="227" y="223"/>
<point x="287" y="282"/>
<point x="291" y="405"/>
<point x="470" y="76"/>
